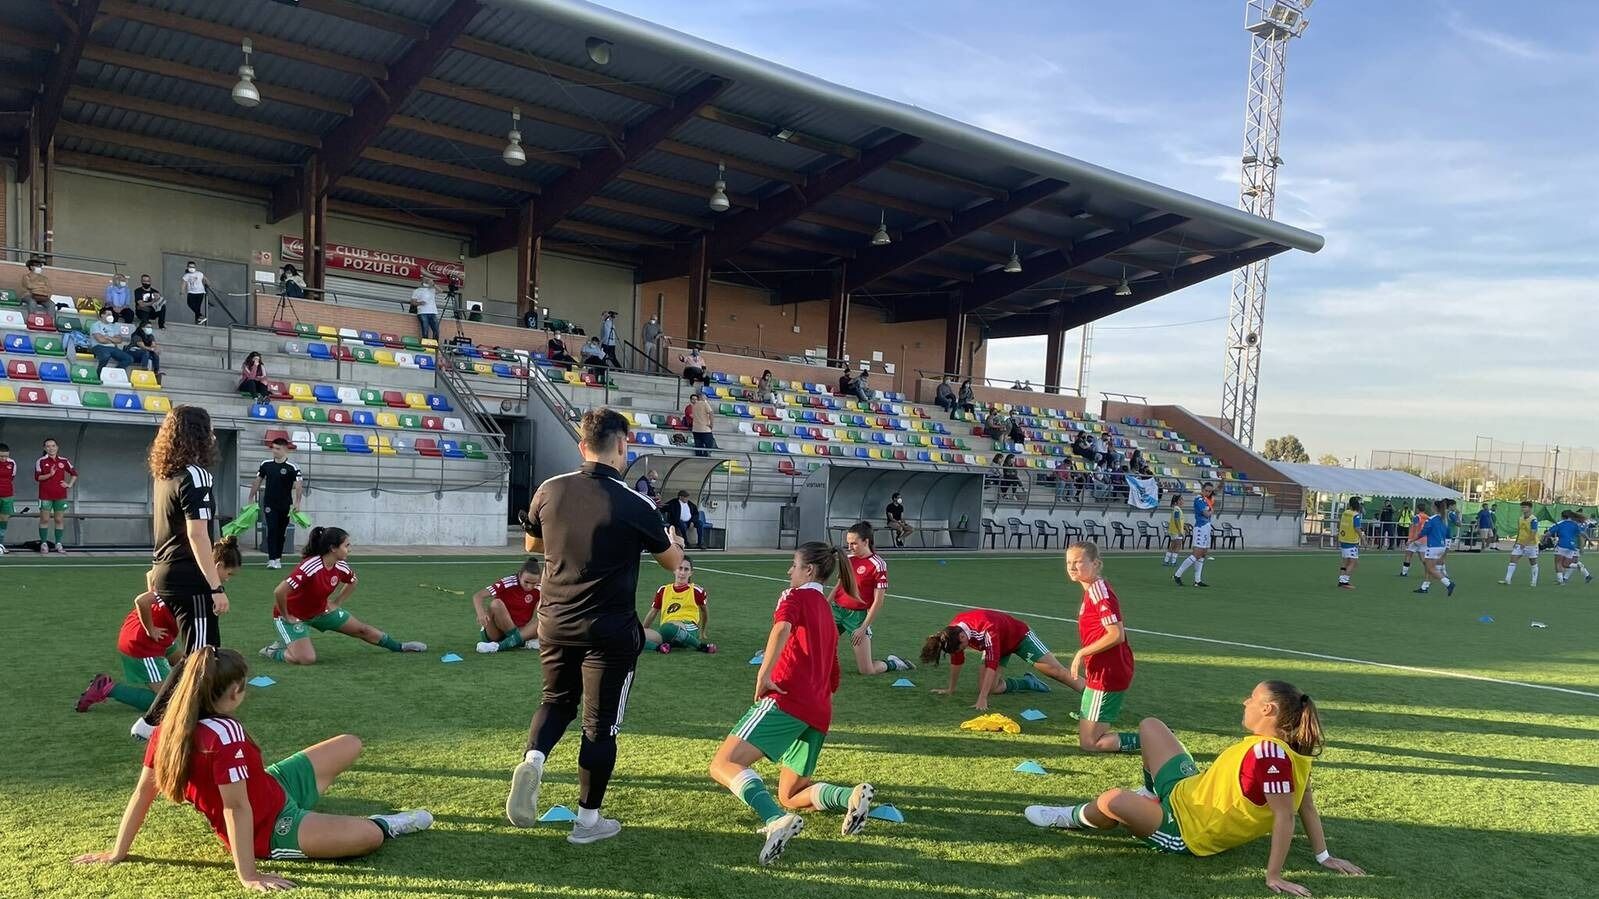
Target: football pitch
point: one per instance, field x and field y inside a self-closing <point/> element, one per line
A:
<point x="1462" y="756"/>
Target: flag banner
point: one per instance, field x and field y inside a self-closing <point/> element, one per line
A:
<point x="1143" y="493"/>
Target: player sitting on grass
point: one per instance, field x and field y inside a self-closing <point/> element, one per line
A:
<point x="1252" y="789"/>
<point x="998" y="637"/>
<point x="1174" y="531"/>
<point x="1105" y="661"/>
<point x="506" y="610"/>
<point x="1567" y="534"/>
<point x="1526" y="545"/>
<point x="854" y="611"/>
<point x="793" y="708"/>
<point x="200" y="754"/>
<point x="1350" y="524"/>
<point x="148" y="638"/>
<point x="305" y="600"/>
<point x="680" y="606"/>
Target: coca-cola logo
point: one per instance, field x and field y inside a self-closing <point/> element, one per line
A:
<point x="293" y="248"/>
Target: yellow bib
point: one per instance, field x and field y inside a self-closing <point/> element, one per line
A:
<point x="677" y="606"/>
<point x="1174" y="528"/>
<point x="1347" y="532"/>
<point x="1212" y="810"/>
<point x="1527" y="531"/>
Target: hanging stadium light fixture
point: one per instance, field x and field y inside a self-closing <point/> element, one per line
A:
<point x="514" y="154"/>
<point x="1124" y="289"/>
<point x="719" y="201"/>
<point x="881" y="238"/>
<point x="1013" y="265"/>
<point x="245" y="93"/>
<point x="599" y="51"/>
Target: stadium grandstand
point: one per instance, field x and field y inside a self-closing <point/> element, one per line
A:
<point x="544" y="163"/>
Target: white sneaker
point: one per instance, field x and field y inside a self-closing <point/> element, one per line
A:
<point x="413" y="646"/>
<point x="603" y="829"/>
<point x="860" y="806"/>
<point x="43" y="548"/>
<point x="488" y="647"/>
<point x="1050" y="816"/>
<point x="141" y="730"/>
<point x="778" y="833"/>
<point x="531" y="644"/>
<point x="270" y="649"/>
<point x="402" y="823"/>
<point x="522" y="803"/>
<point x="3" y="549"/>
<point x="61" y="549"/>
<point x="895" y="663"/>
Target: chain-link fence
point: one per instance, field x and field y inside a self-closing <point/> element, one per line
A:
<point x="1505" y="471"/>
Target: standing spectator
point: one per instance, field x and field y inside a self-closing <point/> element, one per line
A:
<point x="703" y="426"/>
<point x="141" y="348"/>
<point x="594" y="357"/>
<point x="895" y="510"/>
<point x="36" y="285"/>
<point x="530" y="318"/>
<point x="252" y="378"/>
<point x="766" y="388"/>
<point x="8" y="492"/>
<point x="555" y="350"/>
<point x="290" y="284"/>
<point x="968" y="399"/>
<point x="148" y="304"/>
<point x="278" y="484"/>
<point x="680" y="513"/>
<point x="105" y="339"/>
<point x="693" y="367"/>
<point x="591" y="529"/>
<point x="608" y="338"/>
<point x="425" y="306"/>
<point x="55" y="476"/>
<point x="119" y="298"/>
<point x="1387" y="517"/>
<point x="1063" y="479"/>
<point x="945" y="399"/>
<point x="1487" y="531"/>
<point x="194" y="287"/>
<point x="652" y="342"/>
<point x="645" y="486"/>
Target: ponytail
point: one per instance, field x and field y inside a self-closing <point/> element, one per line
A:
<point x="206" y="677"/>
<point x="825" y="560"/>
<point x="322" y="541"/>
<point x="946" y="641"/>
<point x="225" y="553"/>
<point x="1298" y="722"/>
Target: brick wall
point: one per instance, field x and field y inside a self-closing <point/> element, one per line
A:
<point x="398" y="322"/>
<point x="70" y="282"/>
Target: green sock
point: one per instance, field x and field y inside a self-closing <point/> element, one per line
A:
<point x="382" y="825"/>
<point x="1129" y="743"/>
<point x="277" y="654"/>
<point x="688" y="638"/>
<point x="752" y="792"/>
<point x="389" y="643"/>
<point x="1079" y="813"/>
<point x="511" y="640"/>
<point x="2" y="531"/>
<point x="833" y="798"/>
<point x="138" y="697"/>
<point x="651" y="645"/>
<point x="58" y="535"/>
<point x="1149" y="782"/>
<point x="44" y="535"/>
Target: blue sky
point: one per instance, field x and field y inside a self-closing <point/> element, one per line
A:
<point x="1448" y="151"/>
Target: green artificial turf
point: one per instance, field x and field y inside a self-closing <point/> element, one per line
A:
<point x="1440" y="786"/>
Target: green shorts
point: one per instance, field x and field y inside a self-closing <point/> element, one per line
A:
<point x="327" y="621"/>
<point x="680" y="633"/>
<point x="850" y="620"/>
<point x="143" y="672"/>
<point x="1169" y="836"/>
<point x="54" y="505"/>
<point x="7" y="505"/>
<point x="1100" y="706"/>
<point x="298" y="779"/>
<point x="1032" y="650"/>
<point x="781" y="737"/>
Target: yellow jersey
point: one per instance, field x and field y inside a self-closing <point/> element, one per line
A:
<point x="679" y="605"/>
<point x="1527" y="531"/>
<point x="1349" y="528"/>
<point x="1174" y="527"/>
<point x="1225" y="805"/>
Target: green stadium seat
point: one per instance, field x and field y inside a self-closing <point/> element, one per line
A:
<point x="314" y="414"/>
<point x="330" y="443"/>
<point x="410" y="421"/>
<point x="65" y="323"/>
<point x="411" y="343"/>
<point x="305" y="330"/>
<point x="85" y="374"/>
<point x="96" y="399"/>
<point x="372" y="397"/>
<point x="8" y="297"/>
<point x="363" y="354"/>
<point x="49" y="346"/>
<point x="473" y="450"/>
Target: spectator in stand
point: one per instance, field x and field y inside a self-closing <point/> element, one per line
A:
<point x="55" y="475"/>
<point x="679" y="514"/>
<point x="141" y="347"/>
<point x="1063" y="479"/>
<point x="846" y="384"/>
<point x="530" y="318"/>
<point x="1008" y="479"/>
<point x="1084" y="446"/>
<point x="693" y="367"/>
<point x="1027" y="385"/>
<point x="1388" y="519"/>
<point x="119" y="298"/>
<point x="968" y="399"/>
<point x="148" y="304"/>
<point x="608" y="338"/>
<point x="703" y="425"/>
<point x="766" y="388"/>
<point x="105" y="340"/>
<point x="1101" y="450"/>
<point x="36" y="286"/>
<point x="425" y="306"/>
<point x="895" y="510"/>
<point x="593" y="356"/>
<point x="555" y="349"/>
<point x="863" y="391"/>
<point x="252" y="378"/>
<point x="652" y="343"/>
<point x="278" y="483"/>
<point x="194" y="289"/>
<point x="945" y="398"/>
<point x="290" y="284"/>
<point x="646" y="486"/>
<point x="474" y="312"/>
<point x="1136" y="463"/>
<point x="994" y="425"/>
<point x="1013" y="430"/>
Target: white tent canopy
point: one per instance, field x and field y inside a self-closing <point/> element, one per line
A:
<point x="1363" y="481"/>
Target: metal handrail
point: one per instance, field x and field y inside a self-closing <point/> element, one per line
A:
<point x="996" y="382"/>
<point x="116" y="264"/>
<point x="741" y="349"/>
<point x="472" y="405"/>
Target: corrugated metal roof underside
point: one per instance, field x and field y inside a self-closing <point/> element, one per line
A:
<point x="308" y="28"/>
<point x="224" y="56"/>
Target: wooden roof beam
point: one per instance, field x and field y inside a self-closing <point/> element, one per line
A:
<point x="215" y="31"/>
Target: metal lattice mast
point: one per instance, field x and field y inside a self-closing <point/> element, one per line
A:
<point x="1084" y="354"/>
<point x="1271" y="25"/>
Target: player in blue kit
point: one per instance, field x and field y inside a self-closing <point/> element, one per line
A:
<point x="1204" y="510"/>
<point x="1436" y="534"/>
<point x="1567" y="534"/>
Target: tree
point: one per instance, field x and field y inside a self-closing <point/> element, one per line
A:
<point x="1329" y="459"/>
<point x="1407" y="469"/>
<point x="1286" y="448"/>
<point x="1462" y="475"/>
<point x="1517" y="489"/>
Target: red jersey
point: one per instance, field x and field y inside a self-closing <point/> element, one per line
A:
<point x="870" y="573"/>
<point x="51" y="473"/>
<point x="223" y="755"/>
<point x="1110" y="671"/>
<point x="994" y="634"/>
<point x="521" y="604"/>
<point x="807" y="671"/>
<point x="133" y="641"/>
<point x="1265" y="771"/>
<point x="8" y="478"/>
<point x="310" y="585"/>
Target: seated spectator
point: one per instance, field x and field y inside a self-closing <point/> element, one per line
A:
<point x="1084" y="446"/>
<point x="1101" y="450"/>
<point x="1137" y="463"/>
<point x="148" y="304"/>
<point x="766" y="388"/>
<point x="945" y="399"/>
<point x="290" y="284"/>
<point x="895" y="512"/>
<point x="105" y="339"/>
<point x="252" y="378"/>
<point x="693" y="367"/>
<point x="862" y="391"/>
<point x="474" y="312"/>
<point x="1014" y="432"/>
<point x="846" y="384"/>
<point x="36" y="286"/>
<point x="119" y="298"/>
<point x="646" y="486"/>
<point x="703" y="424"/>
<point x="555" y="349"/>
<point x="594" y="356"/>
<point x="968" y="400"/>
<point x="141" y="347"/>
<point x="679" y="514"/>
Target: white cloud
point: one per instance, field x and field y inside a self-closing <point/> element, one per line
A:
<point x="1507" y="44"/>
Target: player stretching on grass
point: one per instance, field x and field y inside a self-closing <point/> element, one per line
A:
<point x="200" y="754"/>
<point x="1418" y="543"/>
<point x="506" y="610"/>
<point x="998" y="637"/>
<point x="855" y="610"/>
<point x="1567" y="533"/>
<point x="1253" y="789"/>
<point x="1174" y="531"/>
<point x="1204" y="509"/>
<point x="305" y="600"/>
<point x="680" y="606"/>
<point x="1349" y="541"/>
<point x="793" y="709"/>
<point x="148" y="640"/>
<point x="1436" y="534"/>
<point x="1105" y="659"/>
<point x="1526" y="545"/>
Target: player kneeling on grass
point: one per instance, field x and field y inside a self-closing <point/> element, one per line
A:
<point x="680" y="606"/>
<point x="1252" y="789"/>
<point x="506" y="610"/>
<point x="148" y="639"/>
<point x="1103" y="668"/>
<point x="793" y="709"/>
<point x="200" y="754"/>
<point x="305" y="600"/>
<point x="998" y="637"/>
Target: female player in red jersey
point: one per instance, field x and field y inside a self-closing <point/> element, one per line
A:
<point x="200" y="754"/>
<point x="793" y="709"/>
<point x="305" y="600"/>
<point x="148" y="638"/>
<point x="1103" y="668"/>
<point x="854" y="611"/>
<point x="506" y="610"/>
<point x="1253" y="789"/>
<point x="998" y="637"/>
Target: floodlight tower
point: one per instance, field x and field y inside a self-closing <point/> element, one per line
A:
<point x="1271" y="25"/>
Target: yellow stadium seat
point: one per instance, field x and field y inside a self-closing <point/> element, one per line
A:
<point x="289" y="413"/>
<point x="157" y="403"/>
<point x="573" y="377"/>
<point x="143" y="380"/>
<point x="7" y="395"/>
<point x="301" y="392"/>
<point x="430" y="343"/>
<point x="384" y="357"/>
<point x="416" y="400"/>
<point x="327" y="331"/>
<point x="388" y="420"/>
<point x="380" y="445"/>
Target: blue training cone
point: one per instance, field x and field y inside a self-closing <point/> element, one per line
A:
<point x="556" y="815"/>
<point x="261" y="680"/>
<point x="902" y="682"/>
<point x="449" y="657"/>
<point x="1030" y="767"/>
<point x="1486" y="619"/>
<point x="758" y="658"/>
<point x="886" y="813"/>
<point x="1033" y="715"/>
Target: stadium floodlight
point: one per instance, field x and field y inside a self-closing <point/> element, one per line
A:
<point x="513" y="153"/>
<point x="1013" y="265"/>
<point x="881" y="238"/>
<point x="245" y="93"/>
<point x="1124" y="289"/>
<point x="783" y="134"/>
<point x="599" y="51"/>
<point x="719" y="201"/>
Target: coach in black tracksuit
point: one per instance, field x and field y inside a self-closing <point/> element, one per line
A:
<point x="590" y="526"/>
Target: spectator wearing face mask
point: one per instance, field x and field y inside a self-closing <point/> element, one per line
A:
<point x="143" y="350"/>
<point x="148" y="304"/>
<point x="104" y="342"/>
<point x="194" y="287"/>
<point x="119" y="298"/>
<point x="37" y="286"/>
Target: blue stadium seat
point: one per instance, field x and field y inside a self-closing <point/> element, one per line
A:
<point x="425" y="362"/>
<point x="355" y="443"/>
<point x="371" y="338"/>
<point x="438" y="403"/>
<point x="325" y="393"/>
<point x="451" y="449"/>
<point x="127" y="402"/>
<point x="55" y="371"/>
<point x="19" y="343"/>
<point x="318" y="351"/>
<point x="263" y="411"/>
<point x="364" y="417"/>
<point x="502" y="369"/>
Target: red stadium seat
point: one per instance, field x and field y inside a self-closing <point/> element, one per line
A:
<point x="390" y="340"/>
<point x="283" y="328"/>
<point x="427" y="446"/>
<point x="337" y="416"/>
<point x="394" y="399"/>
<point x="432" y="423"/>
<point x="22" y="370"/>
<point x="274" y="435"/>
<point x="280" y="390"/>
<point x="33" y="396"/>
<point x="39" y="321"/>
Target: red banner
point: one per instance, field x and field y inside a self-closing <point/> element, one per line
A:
<point x="376" y="262"/>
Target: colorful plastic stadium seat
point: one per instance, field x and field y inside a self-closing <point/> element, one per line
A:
<point x="381" y="445"/>
<point x="293" y="348"/>
<point x="96" y="399"/>
<point x="473" y="450"/>
<point x="22" y="370"/>
<point x="33" y="396"/>
<point x="404" y="359"/>
<point x="438" y="403"/>
<point x="415" y="400"/>
<point x="394" y="399"/>
<point x="363" y="354"/>
<point x="283" y="328"/>
<point x="355" y="443"/>
<point x="342" y="353"/>
<point x="318" y="351"/>
<point x="143" y="380"/>
<point x="19" y="344"/>
<point x="54" y="371"/>
<point x="305" y="329"/>
<point x="40" y="321"/>
<point x="115" y="377"/>
<point x="339" y="416"/>
<point x="12" y="320"/>
<point x="427" y="446"/>
<point x="402" y="446"/>
<point x="364" y="417"/>
<point x="432" y="423"/>
<point x="451" y="449"/>
<point x="326" y="393"/>
<point x="65" y="323"/>
<point x="426" y="362"/>
<point x="371" y="338"/>
<point x="84" y="373"/>
<point x="410" y="421"/>
<point x="384" y="357"/>
<point x="330" y="443"/>
<point x="127" y="402"/>
<point x="65" y="396"/>
<point x="314" y="415"/>
<point x="157" y="403"/>
<point x="49" y="346"/>
<point x="289" y="413"/>
<point x="349" y="396"/>
<point x="300" y="393"/>
<point x="278" y="390"/>
<point x="327" y="331"/>
<point x="388" y="420"/>
<point x="392" y="341"/>
<point x="8" y="297"/>
<point x="454" y="425"/>
<point x="263" y="411"/>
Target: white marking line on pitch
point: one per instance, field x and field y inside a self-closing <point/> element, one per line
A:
<point x="1441" y="672"/>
